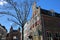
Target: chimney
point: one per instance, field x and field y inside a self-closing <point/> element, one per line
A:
<point x="39" y="10"/>
<point x="52" y="12"/>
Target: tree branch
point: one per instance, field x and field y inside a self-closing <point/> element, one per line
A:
<point x="8" y="13"/>
<point x="14" y="22"/>
<point x="17" y="12"/>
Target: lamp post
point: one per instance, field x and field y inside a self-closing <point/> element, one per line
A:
<point x="0" y="36"/>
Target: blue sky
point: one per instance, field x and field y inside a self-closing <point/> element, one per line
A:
<point x="45" y="4"/>
<point x="50" y="4"/>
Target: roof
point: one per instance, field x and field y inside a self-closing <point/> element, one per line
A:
<point x="3" y="27"/>
<point x="48" y="12"/>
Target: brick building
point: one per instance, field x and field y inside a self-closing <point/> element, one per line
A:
<point x="44" y="24"/>
<point x="14" y="34"/>
<point x="50" y="25"/>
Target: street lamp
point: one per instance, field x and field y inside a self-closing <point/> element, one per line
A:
<point x="0" y="36"/>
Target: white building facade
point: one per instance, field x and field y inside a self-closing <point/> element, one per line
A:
<point x="34" y="27"/>
<point x="26" y="30"/>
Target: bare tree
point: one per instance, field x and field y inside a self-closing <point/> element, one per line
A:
<point x="22" y="10"/>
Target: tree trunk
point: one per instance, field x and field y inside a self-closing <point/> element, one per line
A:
<point x="22" y="32"/>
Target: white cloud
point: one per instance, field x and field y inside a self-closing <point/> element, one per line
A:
<point x="2" y="2"/>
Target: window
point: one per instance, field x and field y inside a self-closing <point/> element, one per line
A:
<point x="56" y="36"/>
<point x="15" y="38"/>
<point x="35" y="23"/>
<point x="49" y="36"/>
<point x="38" y="18"/>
